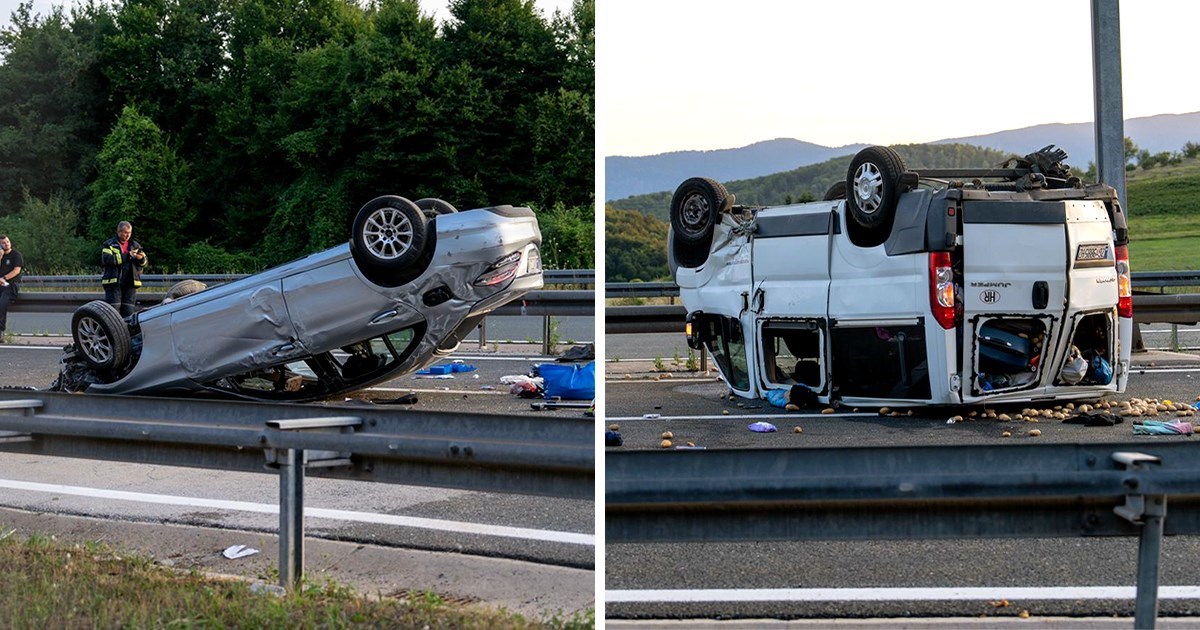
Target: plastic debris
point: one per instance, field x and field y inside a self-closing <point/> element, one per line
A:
<point x="613" y="438"/>
<point x="450" y="368"/>
<point x="440" y="377"/>
<point x="238" y="551"/>
<point x="762" y="427"/>
<point x="1158" y="427"/>
<point x="651" y="416"/>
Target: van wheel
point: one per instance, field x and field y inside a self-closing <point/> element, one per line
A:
<point x="695" y="209"/>
<point x="101" y="335"/>
<point x="835" y="192"/>
<point x="873" y="186"/>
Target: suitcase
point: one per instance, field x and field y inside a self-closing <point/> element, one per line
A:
<point x="1003" y="352"/>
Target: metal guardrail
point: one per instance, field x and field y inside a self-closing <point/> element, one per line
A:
<point x="923" y="492"/>
<point x="540" y="455"/>
<point x="551" y="277"/>
<point x="1183" y="308"/>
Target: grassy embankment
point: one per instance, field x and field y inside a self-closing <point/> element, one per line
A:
<point x="1164" y="217"/>
<point x="45" y="584"/>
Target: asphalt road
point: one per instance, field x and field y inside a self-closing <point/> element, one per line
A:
<point x="546" y="531"/>
<point x="716" y="576"/>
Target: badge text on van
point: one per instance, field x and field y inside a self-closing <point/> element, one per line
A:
<point x="992" y="284"/>
<point x="989" y="296"/>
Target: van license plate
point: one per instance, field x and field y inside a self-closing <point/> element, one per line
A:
<point x="1093" y="253"/>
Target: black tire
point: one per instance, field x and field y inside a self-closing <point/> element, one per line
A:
<point x="836" y="191"/>
<point x="695" y="211"/>
<point x="388" y="236"/>
<point x="873" y="187"/>
<point x="672" y="264"/>
<point x="433" y="207"/>
<point x="101" y="336"/>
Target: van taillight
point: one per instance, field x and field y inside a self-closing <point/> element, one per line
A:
<point x="941" y="289"/>
<point x="1124" y="283"/>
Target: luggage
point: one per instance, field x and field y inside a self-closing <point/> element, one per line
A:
<point x="1003" y="352"/>
<point x="569" y="382"/>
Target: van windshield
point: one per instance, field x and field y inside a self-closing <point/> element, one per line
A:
<point x="728" y="349"/>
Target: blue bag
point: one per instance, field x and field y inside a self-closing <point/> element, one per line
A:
<point x="1099" y="371"/>
<point x="569" y="381"/>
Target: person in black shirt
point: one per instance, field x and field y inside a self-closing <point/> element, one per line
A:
<point x="11" y="262"/>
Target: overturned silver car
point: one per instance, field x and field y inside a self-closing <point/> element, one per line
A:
<point x="414" y="279"/>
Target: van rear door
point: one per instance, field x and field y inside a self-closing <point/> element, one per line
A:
<point x="1031" y="271"/>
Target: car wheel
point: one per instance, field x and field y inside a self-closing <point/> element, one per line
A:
<point x="388" y="234"/>
<point x="695" y="210"/>
<point x="835" y="192"/>
<point x="433" y="207"/>
<point x="873" y="186"/>
<point x="101" y="335"/>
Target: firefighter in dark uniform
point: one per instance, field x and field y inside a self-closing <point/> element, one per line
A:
<point x="123" y="261"/>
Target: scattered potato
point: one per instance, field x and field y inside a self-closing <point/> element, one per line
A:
<point x="1035" y="433"/>
<point x="1006" y="434"/>
<point x="792" y="407"/>
<point x="614" y="427"/>
<point x="666" y="444"/>
<point x="798" y="430"/>
<point x="883" y="411"/>
<point x="725" y="411"/>
<point x="827" y="410"/>
<point x="667" y="435"/>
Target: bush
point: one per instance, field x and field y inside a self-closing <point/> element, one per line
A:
<point x="205" y="258"/>
<point x="46" y="234"/>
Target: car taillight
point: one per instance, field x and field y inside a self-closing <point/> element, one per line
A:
<point x="501" y="271"/>
<point x="1124" y="283"/>
<point x="941" y="289"/>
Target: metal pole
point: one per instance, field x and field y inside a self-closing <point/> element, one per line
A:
<point x="1106" y="76"/>
<point x="546" y="335"/>
<point x="291" y="519"/>
<point x="1149" y="552"/>
<point x="483" y="333"/>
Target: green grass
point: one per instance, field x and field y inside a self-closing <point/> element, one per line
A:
<point x="45" y="584"/>
<point x="1164" y="217"/>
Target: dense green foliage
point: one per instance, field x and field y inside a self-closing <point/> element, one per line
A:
<point x="258" y="127"/>
<point x="811" y="182"/>
<point x="635" y="246"/>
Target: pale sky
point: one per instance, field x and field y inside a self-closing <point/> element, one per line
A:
<point x="714" y="74"/>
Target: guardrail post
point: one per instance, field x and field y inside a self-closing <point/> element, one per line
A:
<point x="1148" y="513"/>
<point x="546" y="335"/>
<point x="291" y="518"/>
<point x="1174" y="337"/>
<point x="483" y="333"/>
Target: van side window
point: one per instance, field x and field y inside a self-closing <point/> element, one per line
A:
<point x="728" y="349"/>
<point x="880" y="361"/>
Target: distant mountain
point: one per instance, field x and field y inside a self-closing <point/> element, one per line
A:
<point x="1164" y="132"/>
<point x="627" y="176"/>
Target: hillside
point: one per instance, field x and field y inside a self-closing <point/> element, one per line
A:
<point x="811" y="182"/>
<point x="627" y="176"/>
<point x="1163" y="212"/>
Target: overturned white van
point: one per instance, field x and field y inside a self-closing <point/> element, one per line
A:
<point x="942" y="287"/>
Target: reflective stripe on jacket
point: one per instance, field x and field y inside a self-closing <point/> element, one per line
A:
<point x="117" y="266"/>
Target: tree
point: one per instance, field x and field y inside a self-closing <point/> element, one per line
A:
<point x="1131" y="149"/>
<point x="47" y="234"/>
<point x="141" y="180"/>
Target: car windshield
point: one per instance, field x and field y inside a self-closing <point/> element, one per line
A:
<point x="728" y="349"/>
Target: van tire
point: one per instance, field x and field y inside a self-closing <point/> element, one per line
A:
<point x="873" y="186"/>
<point x="836" y="191"/>
<point x="695" y="211"/>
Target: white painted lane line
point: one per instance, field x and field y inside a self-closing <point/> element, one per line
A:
<point x="340" y="515"/>
<point x="749" y="416"/>
<point x="987" y="593"/>
<point x="613" y="379"/>
<point x="29" y="347"/>
<point x="1137" y="370"/>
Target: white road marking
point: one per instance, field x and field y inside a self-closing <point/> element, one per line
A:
<point x="1137" y="370"/>
<point x="441" y="391"/>
<point x="613" y="379"/>
<point x="25" y="346"/>
<point x="987" y="593"/>
<point x="482" y="529"/>
<point x="748" y="416"/>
